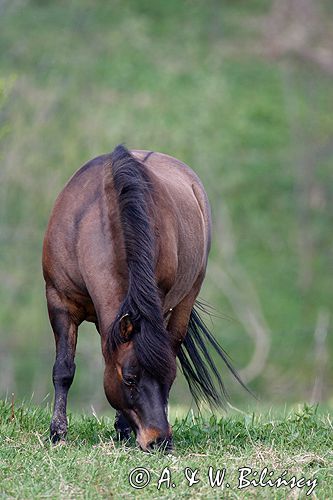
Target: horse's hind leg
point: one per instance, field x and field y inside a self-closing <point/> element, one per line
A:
<point x="65" y="334"/>
<point x="122" y="426"/>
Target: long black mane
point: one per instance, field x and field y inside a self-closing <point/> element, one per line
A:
<point x="151" y="340"/>
<point x="142" y="302"/>
<point x="197" y="363"/>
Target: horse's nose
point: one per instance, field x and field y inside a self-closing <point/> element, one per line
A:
<point x="161" y="444"/>
<point x="154" y="439"/>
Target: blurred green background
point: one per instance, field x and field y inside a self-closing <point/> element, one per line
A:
<point x="242" y="92"/>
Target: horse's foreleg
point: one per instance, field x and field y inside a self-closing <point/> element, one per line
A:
<point x="63" y="374"/>
<point x="65" y="334"/>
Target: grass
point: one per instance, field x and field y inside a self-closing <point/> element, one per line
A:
<point x="92" y="464"/>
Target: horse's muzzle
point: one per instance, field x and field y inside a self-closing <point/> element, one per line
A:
<point x="154" y="440"/>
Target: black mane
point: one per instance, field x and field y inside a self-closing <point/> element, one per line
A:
<point x="142" y="302"/>
<point x="198" y="365"/>
<point x="151" y="341"/>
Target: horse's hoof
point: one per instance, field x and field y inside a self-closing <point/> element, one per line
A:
<point x="122" y="427"/>
<point x="58" y="433"/>
<point x="124" y="434"/>
<point x="58" y="441"/>
<point x="56" y="438"/>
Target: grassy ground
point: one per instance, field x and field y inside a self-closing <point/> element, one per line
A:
<point x="94" y="465"/>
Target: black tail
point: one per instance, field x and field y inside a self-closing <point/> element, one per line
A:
<point x="198" y="365"/>
<point x="131" y="182"/>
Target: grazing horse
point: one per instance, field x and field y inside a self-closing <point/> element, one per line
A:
<point x="126" y="248"/>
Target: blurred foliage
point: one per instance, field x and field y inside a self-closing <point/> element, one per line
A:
<point x="186" y="78"/>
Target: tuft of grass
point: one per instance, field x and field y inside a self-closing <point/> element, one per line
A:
<point x="93" y="464"/>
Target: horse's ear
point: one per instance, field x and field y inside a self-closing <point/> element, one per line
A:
<point x="126" y="327"/>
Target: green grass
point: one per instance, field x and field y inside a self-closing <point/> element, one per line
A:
<point x="92" y="464"/>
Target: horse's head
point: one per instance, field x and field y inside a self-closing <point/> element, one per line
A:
<point x="140" y="393"/>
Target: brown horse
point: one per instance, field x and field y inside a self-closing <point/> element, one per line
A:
<point x="126" y="248"/>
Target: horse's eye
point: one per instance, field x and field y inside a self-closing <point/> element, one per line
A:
<point x="130" y="380"/>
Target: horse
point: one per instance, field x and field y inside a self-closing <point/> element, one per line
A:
<point x="126" y="248"/>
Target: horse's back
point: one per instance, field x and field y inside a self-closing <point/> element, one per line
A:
<point x="182" y="193"/>
<point x="183" y="222"/>
<point x="179" y="179"/>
